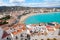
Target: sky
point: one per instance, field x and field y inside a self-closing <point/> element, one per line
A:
<point x="31" y="3"/>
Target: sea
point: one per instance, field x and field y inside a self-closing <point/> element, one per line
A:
<point x="43" y="18"/>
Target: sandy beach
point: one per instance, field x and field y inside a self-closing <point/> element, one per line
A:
<point x="27" y="15"/>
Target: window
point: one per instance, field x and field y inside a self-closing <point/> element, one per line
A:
<point x="30" y="31"/>
<point x="8" y="38"/>
<point x="28" y="35"/>
<point x="16" y="37"/>
<point x="25" y="39"/>
<point x="21" y="35"/>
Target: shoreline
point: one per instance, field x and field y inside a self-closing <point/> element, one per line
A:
<point x="27" y="15"/>
<point x="30" y="14"/>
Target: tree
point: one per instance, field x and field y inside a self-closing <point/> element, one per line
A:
<point x="54" y="39"/>
<point x="48" y="39"/>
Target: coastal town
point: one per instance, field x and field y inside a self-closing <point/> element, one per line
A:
<point x="12" y="25"/>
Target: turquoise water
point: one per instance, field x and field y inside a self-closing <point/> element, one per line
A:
<point x="39" y="18"/>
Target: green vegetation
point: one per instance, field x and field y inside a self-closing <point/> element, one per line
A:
<point x="4" y="22"/>
<point x="54" y="39"/>
<point x="5" y="18"/>
<point x="48" y="39"/>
